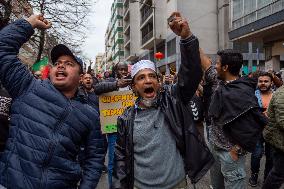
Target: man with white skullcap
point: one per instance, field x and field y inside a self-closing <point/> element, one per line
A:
<point x="157" y="144"/>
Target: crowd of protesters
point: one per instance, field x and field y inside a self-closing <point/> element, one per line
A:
<point x="206" y="117"/>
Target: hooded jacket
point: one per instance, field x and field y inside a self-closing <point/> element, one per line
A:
<point x="174" y="102"/>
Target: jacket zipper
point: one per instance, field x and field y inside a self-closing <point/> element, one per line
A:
<point x="52" y="146"/>
<point x="238" y="116"/>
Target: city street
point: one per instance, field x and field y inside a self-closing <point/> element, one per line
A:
<point x="159" y="88"/>
<point x="205" y="182"/>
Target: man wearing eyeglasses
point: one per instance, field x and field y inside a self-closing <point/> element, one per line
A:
<point x="50" y="119"/>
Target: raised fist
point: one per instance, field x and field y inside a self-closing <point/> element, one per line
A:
<point x="179" y="25"/>
<point x="39" y="22"/>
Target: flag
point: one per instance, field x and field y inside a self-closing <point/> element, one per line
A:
<point x="42" y="66"/>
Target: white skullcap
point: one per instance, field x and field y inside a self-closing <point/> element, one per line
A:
<point x="140" y="65"/>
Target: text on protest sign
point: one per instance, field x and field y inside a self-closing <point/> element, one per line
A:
<point x="112" y="105"/>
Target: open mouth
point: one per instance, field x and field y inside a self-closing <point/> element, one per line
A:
<point x="149" y="90"/>
<point x="60" y="74"/>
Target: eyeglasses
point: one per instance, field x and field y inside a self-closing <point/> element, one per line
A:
<point x="66" y="63"/>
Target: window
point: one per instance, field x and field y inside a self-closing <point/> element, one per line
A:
<point x="249" y="6"/>
<point x="237" y="23"/>
<point x="171" y="47"/>
<point x="268" y="52"/>
<point x="120" y="11"/>
<point x="237" y="9"/>
<point x="262" y="3"/>
<point x="151" y="54"/>
<point x="250" y="18"/>
<point x="119" y="35"/>
<point x="263" y="12"/>
<point x="120" y="23"/>
<point x="256" y="46"/>
<point x="147" y="29"/>
<point x="277" y="6"/>
<point x="241" y="46"/>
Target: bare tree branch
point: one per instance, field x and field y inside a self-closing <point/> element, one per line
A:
<point x="69" y="20"/>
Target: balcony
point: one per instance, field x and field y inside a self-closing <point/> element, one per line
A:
<point x="144" y="2"/>
<point x="126" y="12"/>
<point x="147" y="37"/>
<point x="126" y="30"/>
<point x="126" y="3"/>
<point x="128" y="56"/>
<point x="146" y="15"/>
<point x="126" y="41"/>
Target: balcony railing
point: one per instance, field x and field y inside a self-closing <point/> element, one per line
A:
<point x="126" y="25"/>
<point x="147" y="37"/>
<point x="126" y="39"/>
<point x="126" y="54"/>
<point x="146" y="15"/>
<point x="126" y="2"/>
<point x="265" y="11"/>
<point x="126" y="8"/>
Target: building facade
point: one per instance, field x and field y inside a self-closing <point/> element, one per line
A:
<point x="131" y="28"/>
<point x="99" y="62"/>
<point x="146" y="29"/>
<point x="260" y="21"/>
<point x="114" y="43"/>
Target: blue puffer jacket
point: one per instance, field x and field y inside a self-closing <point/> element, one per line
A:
<point x="46" y="128"/>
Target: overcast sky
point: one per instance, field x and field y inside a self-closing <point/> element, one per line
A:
<point x="99" y="19"/>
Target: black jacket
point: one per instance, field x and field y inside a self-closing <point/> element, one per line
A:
<point x="234" y="107"/>
<point x="174" y="104"/>
<point x="105" y="87"/>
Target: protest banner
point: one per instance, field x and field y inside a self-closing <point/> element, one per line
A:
<point x="112" y="105"/>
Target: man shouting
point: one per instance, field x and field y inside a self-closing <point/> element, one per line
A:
<point x="49" y="119"/>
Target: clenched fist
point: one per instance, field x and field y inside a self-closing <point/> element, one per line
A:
<point x="179" y="25"/>
<point x="39" y="22"/>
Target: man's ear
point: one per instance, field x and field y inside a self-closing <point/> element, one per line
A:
<point x="225" y="68"/>
<point x="81" y="78"/>
<point x="134" y="89"/>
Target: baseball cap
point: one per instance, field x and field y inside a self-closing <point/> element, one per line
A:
<point x="60" y="50"/>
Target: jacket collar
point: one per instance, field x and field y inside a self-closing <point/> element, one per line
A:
<point x="81" y="95"/>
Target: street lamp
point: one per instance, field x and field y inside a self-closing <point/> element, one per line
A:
<point x="154" y="24"/>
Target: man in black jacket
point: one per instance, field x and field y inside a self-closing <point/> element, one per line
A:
<point x="120" y="83"/>
<point x="157" y="144"/>
<point x="234" y="118"/>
